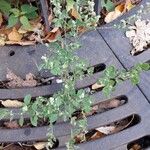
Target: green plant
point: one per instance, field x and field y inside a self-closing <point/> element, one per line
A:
<point x="22" y="14"/>
<point x="112" y="77"/>
<point x="69" y="68"/>
<point x="108" y="4"/>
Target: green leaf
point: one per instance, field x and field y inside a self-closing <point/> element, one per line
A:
<point x="28" y="8"/>
<point x="111" y="72"/>
<point x="107" y="90"/>
<point x="15" y="11"/>
<point x="21" y="120"/>
<point x="4" y="113"/>
<point x="34" y="120"/>
<point x="32" y="15"/>
<point x="34" y="106"/>
<point x="25" y="22"/>
<point x="27" y="99"/>
<point x="5" y="6"/>
<point x="145" y="66"/>
<point x="53" y="118"/>
<point x="135" y="79"/>
<point x="70" y="4"/>
<point x="108" y="4"/>
<point x="12" y="20"/>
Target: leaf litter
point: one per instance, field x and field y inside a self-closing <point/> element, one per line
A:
<point x="16" y="81"/>
<point x="139" y="36"/>
<point x="111" y="10"/>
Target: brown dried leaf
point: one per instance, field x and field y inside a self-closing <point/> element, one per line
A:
<point x="29" y="82"/>
<point x="11" y="103"/>
<point x="5" y="30"/>
<point x="80" y="138"/>
<point x="15" y="35"/>
<point x="16" y="81"/>
<point x="13" y="147"/>
<point x="106" y="130"/>
<point x="1" y="19"/>
<point x="11" y="124"/>
<point x="52" y="35"/>
<point x="2" y="39"/>
<point x="136" y="147"/>
<point x="113" y="103"/>
<point x="97" y="86"/>
<point x="97" y="135"/>
<point x="75" y="14"/>
<point x="23" y="43"/>
<point x="112" y="16"/>
<point x="40" y="145"/>
<point x="82" y="29"/>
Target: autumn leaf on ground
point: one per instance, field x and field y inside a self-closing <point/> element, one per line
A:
<point x="2" y="39"/>
<point x="106" y="130"/>
<point x="119" y="10"/>
<point x="15" y="35"/>
<point x="1" y="19"/>
<point x="11" y="124"/>
<point x="40" y="145"/>
<point x="97" y="86"/>
<point x="16" y="81"/>
<point x="52" y="35"/>
<point x="114" y="14"/>
<point x="11" y="103"/>
<point x="75" y="14"/>
<point x="139" y="36"/>
<point x="22" y="43"/>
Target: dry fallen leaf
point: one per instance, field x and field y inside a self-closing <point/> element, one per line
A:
<point x="80" y="138"/>
<point x="106" y="130"/>
<point x="40" y="145"/>
<point x="96" y="86"/>
<point x="11" y="124"/>
<point x="136" y="147"/>
<point x="75" y="14"/>
<point x="93" y="135"/>
<point x="1" y="19"/>
<point x="97" y="135"/>
<point x="14" y="147"/>
<point x="113" y="103"/>
<point x="52" y="35"/>
<point x="29" y="82"/>
<point x="16" y="81"/>
<point x="139" y="36"/>
<point x="2" y="39"/>
<point x="129" y="6"/>
<point x="5" y="30"/>
<point x="112" y="16"/>
<point x="15" y="35"/>
<point x="22" y="43"/>
<point x="119" y="10"/>
<point x="11" y="103"/>
<point x="21" y="30"/>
